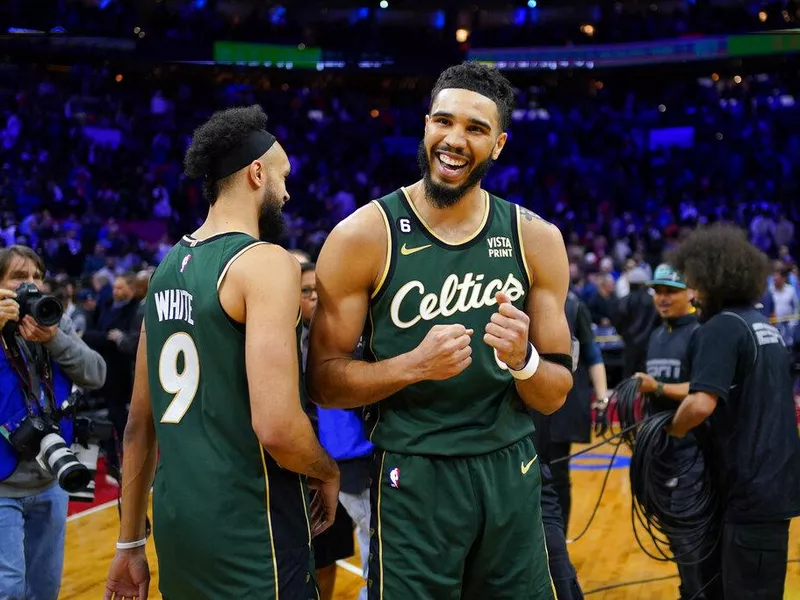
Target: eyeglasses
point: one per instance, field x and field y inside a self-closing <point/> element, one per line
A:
<point x="307" y="292"/>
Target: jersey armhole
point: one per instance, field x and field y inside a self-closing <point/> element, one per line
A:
<point x="387" y="267"/>
<point x="221" y="279"/>
<point x="521" y="259"/>
<point x="230" y="262"/>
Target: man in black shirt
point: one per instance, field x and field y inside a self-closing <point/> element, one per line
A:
<point x="667" y="383"/>
<point x="741" y="382"/>
<point x="553" y="437"/>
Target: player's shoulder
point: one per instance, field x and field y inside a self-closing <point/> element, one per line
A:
<point x="263" y="262"/>
<point x="538" y="234"/>
<point x="533" y="224"/>
<point x="366" y="226"/>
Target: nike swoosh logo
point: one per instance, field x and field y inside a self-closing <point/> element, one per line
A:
<point x="408" y="251"/>
<point x="525" y="468"/>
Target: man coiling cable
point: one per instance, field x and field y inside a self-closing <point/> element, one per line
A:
<point x="667" y="383"/>
<point x="740" y="380"/>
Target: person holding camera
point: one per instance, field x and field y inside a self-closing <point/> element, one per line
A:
<point x="42" y="359"/>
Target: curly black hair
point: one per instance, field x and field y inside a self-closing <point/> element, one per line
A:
<point x="483" y="80"/>
<point x="723" y="266"/>
<point x="215" y="138"/>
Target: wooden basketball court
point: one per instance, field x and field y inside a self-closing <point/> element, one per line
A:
<point x="606" y="556"/>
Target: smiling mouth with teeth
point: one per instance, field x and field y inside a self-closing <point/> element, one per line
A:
<point x="453" y="163"/>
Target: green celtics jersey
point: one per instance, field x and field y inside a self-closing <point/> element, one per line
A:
<point x="428" y="282"/>
<point x="222" y="506"/>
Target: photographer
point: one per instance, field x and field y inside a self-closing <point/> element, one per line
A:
<point x="38" y="367"/>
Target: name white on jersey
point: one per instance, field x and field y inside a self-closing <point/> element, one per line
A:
<point x="174" y="305"/>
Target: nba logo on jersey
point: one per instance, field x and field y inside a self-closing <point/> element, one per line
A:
<point x="394" y="477"/>
<point x="185" y="262"/>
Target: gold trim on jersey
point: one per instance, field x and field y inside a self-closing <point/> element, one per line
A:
<point x="305" y="508"/>
<point x="388" y="263"/>
<point x="547" y="556"/>
<point x="522" y="246"/>
<point x="380" y="537"/>
<point x="233" y="258"/>
<point x="194" y="241"/>
<point x="299" y="316"/>
<point x="372" y="351"/>
<point x="269" y="521"/>
<point x="470" y="237"/>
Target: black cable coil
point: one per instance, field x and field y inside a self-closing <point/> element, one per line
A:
<point x="629" y="412"/>
<point x="675" y="494"/>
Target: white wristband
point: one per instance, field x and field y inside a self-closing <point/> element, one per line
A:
<point x="129" y="545"/>
<point x="530" y="368"/>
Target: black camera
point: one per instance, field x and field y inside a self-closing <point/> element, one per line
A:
<point x="39" y="436"/>
<point x="46" y="310"/>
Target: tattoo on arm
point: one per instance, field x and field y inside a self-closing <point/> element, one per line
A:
<point x="529" y="215"/>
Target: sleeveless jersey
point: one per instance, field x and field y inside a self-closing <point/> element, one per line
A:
<point x="427" y="282"/>
<point x="222" y="506"/>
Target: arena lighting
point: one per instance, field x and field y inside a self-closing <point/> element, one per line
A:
<point x="532" y="3"/>
<point x="462" y="35"/>
<point x="384" y="4"/>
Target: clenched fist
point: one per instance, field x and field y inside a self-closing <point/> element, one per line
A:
<point x="444" y="353"/>
<point x="507" y="333"/>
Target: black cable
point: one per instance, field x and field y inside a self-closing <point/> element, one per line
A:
<point x="614" y="586"/>
<point x="599" y="498"/>
<point x="608" y="440"/>
<point x="674" y="497"/>
<point x="629" y="411"/>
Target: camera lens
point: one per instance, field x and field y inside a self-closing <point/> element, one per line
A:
<point x="71" y="473"/>
<point x="47" y="311"/>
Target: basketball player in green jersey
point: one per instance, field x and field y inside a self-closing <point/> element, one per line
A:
<point x="462" y="297"/>
<point x="217" y="388"/>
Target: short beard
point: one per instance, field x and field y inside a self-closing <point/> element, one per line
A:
<point x="271" y="224"/>
<point x="444" y="196"/>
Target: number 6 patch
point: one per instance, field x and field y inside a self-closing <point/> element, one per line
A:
<point x="404" y="224"/>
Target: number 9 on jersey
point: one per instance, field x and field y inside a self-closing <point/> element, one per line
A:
<point x="183" y="385"/>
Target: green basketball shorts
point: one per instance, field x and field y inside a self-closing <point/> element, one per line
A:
<point x="458" y="528"/>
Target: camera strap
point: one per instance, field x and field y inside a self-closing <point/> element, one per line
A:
<point x="45" y="399"/>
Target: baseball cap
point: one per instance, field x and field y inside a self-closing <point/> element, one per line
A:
<point x="666" y="275"/>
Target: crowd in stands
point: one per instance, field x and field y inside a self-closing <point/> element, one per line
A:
<point x="91" y="161"/>
<point x="374" y="29"/>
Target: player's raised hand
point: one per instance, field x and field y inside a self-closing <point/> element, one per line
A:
<point x="444" y="353"/>
<point x="507" y="333"/>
